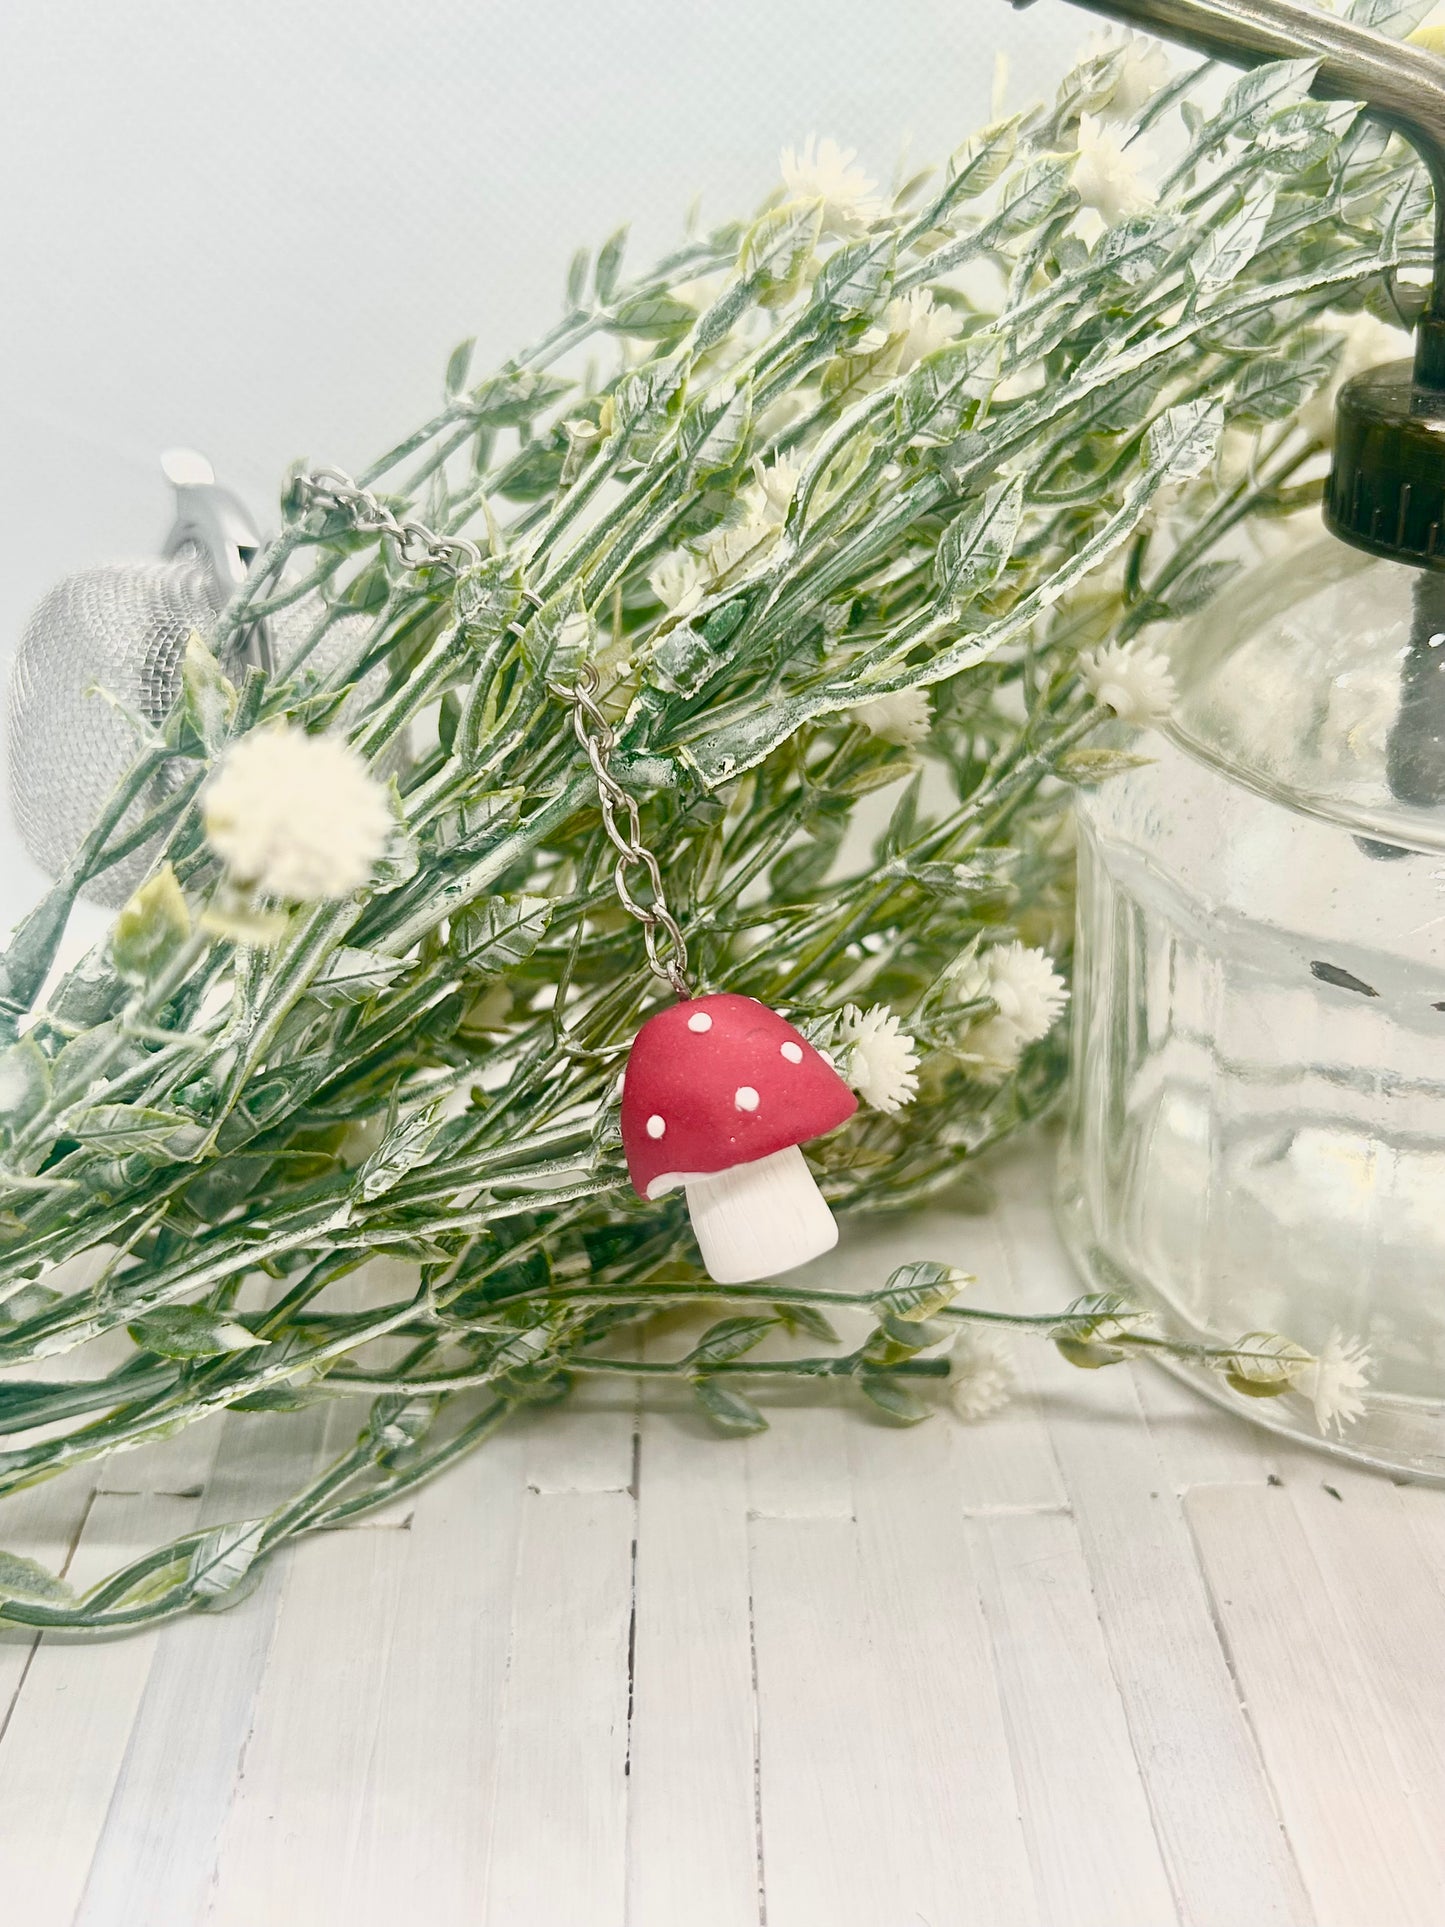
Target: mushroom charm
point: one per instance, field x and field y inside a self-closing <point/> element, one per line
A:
<point x="717" y="1095"/>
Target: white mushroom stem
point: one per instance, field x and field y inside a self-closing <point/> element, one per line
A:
<point x="758" y="1219"/>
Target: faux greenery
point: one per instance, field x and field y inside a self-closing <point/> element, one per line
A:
<point x="230" y="1106"/>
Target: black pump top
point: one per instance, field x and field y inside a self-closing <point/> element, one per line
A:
<point x="1387" y="482"/>
<point x="1387" y="485"/>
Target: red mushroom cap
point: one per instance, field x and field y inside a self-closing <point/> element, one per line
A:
<point x="719" y="1081"/>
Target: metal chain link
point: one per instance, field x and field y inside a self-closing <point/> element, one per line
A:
<point x="666" y="947"/>
<point x="417" y="546"/>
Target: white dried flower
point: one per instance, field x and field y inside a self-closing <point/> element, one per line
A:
<point x="1144" y="70"/>
<point x="824" y="171"/>
<point x="296" y="816"/>
<point x="1333" y="1381"/>
<point x="993" y="1049"/>
<point x="916" y="326"/>
<point x="679" y="582"/>
<point x="776" y="486"/>
<point x="1107" y="178"/>
<point x="903" y="717"/>
<point x="1132" y="679"/>
<point x="1029" y="992"/>
<point x="738" y="543"/>
<point x="982" y="1376"/>
<point x="1367" y="342"/>
<point x="877" y="1057"/>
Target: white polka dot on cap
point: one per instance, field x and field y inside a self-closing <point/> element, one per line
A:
<point x="656" y="1125"/>
<point x="699" y="1021"/>
<point x="746" y="1098"/>
<point x="793" y="1052"/>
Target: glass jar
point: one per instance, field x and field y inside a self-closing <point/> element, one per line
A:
<point x="1257" y="1129"/>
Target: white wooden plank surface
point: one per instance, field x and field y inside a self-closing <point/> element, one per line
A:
<point x="1323" y="1690"/>
<point x="953" y="1808"/>
<point x="1081" y="1663"/>
<point x="72" y="1719"/>
<point x="1085" y="1807"/>
<point x="1212" y="1804"/>
<point x="692" y="1846"/>
<point x="157" y="1854"/>
<point x="558" y="1820"/>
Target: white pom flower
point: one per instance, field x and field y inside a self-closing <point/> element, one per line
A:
<point x="1132" y="679"/>
<point x="296" y="816"/>
<point x="917" y="326"/>
<point x="1144" y="70"/>
<point x="1029" y="992"/>
<point x="1367" y="342"/>
<point x="1333" y="1381"/>
<point x="824" y="171"/>
<point x="1107" y="178"/>
<point x="904" y="717"/>
<point x="776" y="487"/>
<point x="877" y="1057"/>
<point x="982" y="1377"/>
<point x="679" y="582"/>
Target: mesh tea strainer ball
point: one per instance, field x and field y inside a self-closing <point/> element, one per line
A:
<point x="122" y="630"/>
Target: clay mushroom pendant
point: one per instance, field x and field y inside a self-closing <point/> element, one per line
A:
<point x="717" y="1095"/>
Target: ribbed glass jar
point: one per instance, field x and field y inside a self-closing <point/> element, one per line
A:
<point x="1257" y="1130"/>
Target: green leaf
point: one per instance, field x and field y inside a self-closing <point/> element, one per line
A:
<point x="894" y="1399"/>
<point x="208" y="698"/>
<point x="24" y="1084"/>
<point x="151" y="928"/>
<point x="557" y="636"/>
<point x="728" y="1408"/>
<point x="609" y="266"/>
<point x="493" y="935"/>
<point x="729" y="1338"/>
<point x="353" y="976"/>
<point x="1030" y="197"/>
<point x="458" y="363"/>
<point x="1394" y="17"/>
<point x="1088" y="766"/>
<point x="684" y="660"/>
<point x="400" y="1431"/>
<point x="1087" y="1356"/>
<point x="1226" y="248"/>
<point x="577" y="277"/>
<point x="404" y="1147"/>
<point x="23" y="1579"/>
<point x="807" y="1319"/>
<point x="779" y="249"/>
<point x="715" y="438"/>
<point x="1264" y="1363"/>
<point x="655" y="316"/>
<point x="1273" y="387"/>
<point x="117" y="1130"/>
<point x="29" y="1302"/>
<point x="854" y="280"/>
<point x="221" y="1561"/>
<point x="1258" y="94"/>
<point x="1200" y="585"/>
<point x="919" y="1290"/>
<point x="1183" y="440"/>
<point x="976" y="167"/>
<point x="191" y="1331"/>
<point x="974" y="549"/>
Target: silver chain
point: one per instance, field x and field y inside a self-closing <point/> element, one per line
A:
<point x="666" y="948"/>
<point x="417" y="547"/>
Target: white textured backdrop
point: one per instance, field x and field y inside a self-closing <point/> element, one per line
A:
<point x="258" y="228"/>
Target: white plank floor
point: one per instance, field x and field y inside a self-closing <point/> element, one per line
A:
<point x="1110" y="1659"/>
